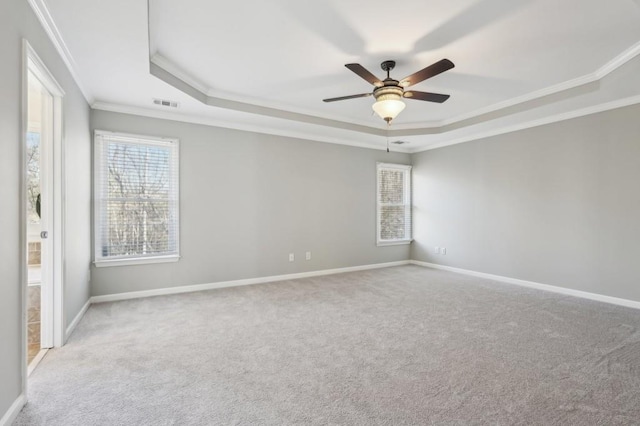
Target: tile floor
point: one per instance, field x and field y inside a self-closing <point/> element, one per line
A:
<point x="33" y="300"/>
<point x="33" y="321"/>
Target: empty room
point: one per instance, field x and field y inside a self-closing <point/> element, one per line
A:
<point x="319" y="212"/>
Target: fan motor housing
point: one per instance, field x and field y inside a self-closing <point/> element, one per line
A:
<point x="390" y="90"/>
<point x="388" y="65"/>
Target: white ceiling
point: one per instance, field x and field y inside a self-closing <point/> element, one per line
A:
<point x="285" y="56"/>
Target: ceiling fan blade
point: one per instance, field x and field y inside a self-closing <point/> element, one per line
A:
<point x="425" y="96"/>
<point x="428" y="72"/>
<point x="364" y="73"/>
<point x="342" y="98"/>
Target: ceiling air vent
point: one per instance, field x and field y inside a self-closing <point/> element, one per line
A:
<point x="163" y="102"/>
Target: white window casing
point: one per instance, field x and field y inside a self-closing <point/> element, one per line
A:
<point x="136" y="199"/>
<point x="393" y="204"/>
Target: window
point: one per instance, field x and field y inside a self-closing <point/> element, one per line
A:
<point x="136" y="199"/>
<point x="394" y="204"/>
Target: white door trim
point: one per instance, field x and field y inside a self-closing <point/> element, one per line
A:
<point x="55" y="336"/>
<point x="23" y="225"/>
<point x="47" y="248"/>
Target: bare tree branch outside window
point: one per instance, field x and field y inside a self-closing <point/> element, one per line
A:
<point x="33" y="176"/>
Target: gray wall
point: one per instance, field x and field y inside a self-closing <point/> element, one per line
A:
<point x="247" y="200"/>
<point x="558" y="204"/>
<point x="17" y="21"/>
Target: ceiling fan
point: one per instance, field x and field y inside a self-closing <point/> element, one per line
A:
<point x="389" y="92"/>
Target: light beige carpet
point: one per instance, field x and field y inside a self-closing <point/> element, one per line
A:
<point x="403" y="345"/>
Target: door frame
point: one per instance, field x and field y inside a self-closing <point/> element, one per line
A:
<point x="53" y="315"/>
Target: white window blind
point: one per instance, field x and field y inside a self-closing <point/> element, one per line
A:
<point x="136" y="199"/>
<point x="394" y="204"/>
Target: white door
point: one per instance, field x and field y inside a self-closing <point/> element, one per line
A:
<point x="40" y="138"/>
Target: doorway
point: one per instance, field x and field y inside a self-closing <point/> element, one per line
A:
<point x="39" y="140"/>
<point x="42" y="206"/>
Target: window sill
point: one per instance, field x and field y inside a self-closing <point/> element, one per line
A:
<point x="393" y="243"/>
<point x="136" y="261"/>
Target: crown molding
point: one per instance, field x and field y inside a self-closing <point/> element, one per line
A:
<point x="618" y="61"/>
<point x="213" y="96"/>
<point x="250" y="108"/>
<point x="41" y="10"/>
<point x="594" y="109"/>
<point x="432" y="127"/>
<point x="599" y="74"/>
<point x="208" y="121"/>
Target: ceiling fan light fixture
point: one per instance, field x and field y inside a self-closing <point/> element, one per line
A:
<point x="390" y="92"/>
<point x="388" y="106"/>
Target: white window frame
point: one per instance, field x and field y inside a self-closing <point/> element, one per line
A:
<point x="407" y="198"/>
<point x="99" y="261"/>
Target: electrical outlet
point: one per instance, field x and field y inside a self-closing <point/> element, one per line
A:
<point x="292" y="257"/>
<point x="437" y="250"/>
<point x="308" y="255"/>
<point x="443" y="250"/>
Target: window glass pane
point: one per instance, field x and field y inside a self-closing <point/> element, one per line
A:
<point x="137" y="228"/>
<point x="138" y="171"/>
<point x="391" y="186"/>
<point x="392" y="222"/>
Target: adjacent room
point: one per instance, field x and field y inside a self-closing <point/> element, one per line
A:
<point x="328" y="212"/>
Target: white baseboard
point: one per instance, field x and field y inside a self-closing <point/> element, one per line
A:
<point x="76" y="320"/>
<point x="13" y="411"/>
<point x="236" y="283"/>
<point x="538" y="286"/>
